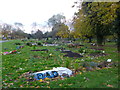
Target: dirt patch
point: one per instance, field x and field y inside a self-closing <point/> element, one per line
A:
<point x="71" y="54"/>
<point x="66" y="51"/>
<point x="41" y="50"/>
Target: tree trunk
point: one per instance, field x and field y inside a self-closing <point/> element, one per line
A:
<point x="118" y="43"/>
<point x="99" y="39"/>
<point x="90" y="39"/>
<point x="104" y="41"/>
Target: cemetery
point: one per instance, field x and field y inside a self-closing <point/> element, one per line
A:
<point x="59" y="44"/>
<point x="37" y="66"/>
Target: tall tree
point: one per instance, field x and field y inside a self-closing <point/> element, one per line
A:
<point x="18" y="31"/>
<point x="97" y="17"/>
<point x="63" y="31"/>
<point x="18" y="25"/>
<point x="39" y="34"/>
<point x="5" y="29"/>
<point x="116" y="24"/>
<point x="82" y="27"/>
<point x="55" y="21"/>
<point x="104" y="18"/>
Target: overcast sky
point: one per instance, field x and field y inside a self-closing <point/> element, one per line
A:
<point x="29" y="11"/>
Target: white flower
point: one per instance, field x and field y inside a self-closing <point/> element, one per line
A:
<point x="103" y="51"/>
<point x="82" y="53"/>
<point x="109" y="60"/>
<point x="10" y="52"/>
<point x="50" y="54"/>
<point x="21" y="68"/>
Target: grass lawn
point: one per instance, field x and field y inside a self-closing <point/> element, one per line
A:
<point x="14" y="65"/>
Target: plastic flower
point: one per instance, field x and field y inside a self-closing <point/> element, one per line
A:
<point x="5" y="53"/>
<point x="47" y="79"/>
<point x="40" y="80"/>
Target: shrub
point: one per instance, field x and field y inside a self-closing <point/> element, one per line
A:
<point x="82" y="50"/>
<point x="17" y="43"/>
<point x="76" y="66"/>
<point x="40" y="44"/>
<point x="28" y="44"/>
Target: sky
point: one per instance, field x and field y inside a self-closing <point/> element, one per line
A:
<point x="29" y="11"/>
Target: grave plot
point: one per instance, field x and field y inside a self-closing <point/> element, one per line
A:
<point x="41" y="50"/>
<point x="72" y="54"/>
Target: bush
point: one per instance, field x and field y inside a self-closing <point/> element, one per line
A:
<point x="76" y="66"/>
<point x="28" y="44"/>
<point x="40" y="44"/>
<point x="17" y="43"/>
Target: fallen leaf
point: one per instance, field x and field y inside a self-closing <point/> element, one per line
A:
<point x="32" y="86"/>
<point x="38" y="87"/>
<point x="70" y="84"/>
<point x="80" y="72"/>
<point x="60" y="84"/>
<point x="109" y="85"/>
<point x="48" y="87"/>
<point x="47" y="82"/>
<point x="21" y="85"/>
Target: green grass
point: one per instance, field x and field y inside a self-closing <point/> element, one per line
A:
<point x="14" y="65"/>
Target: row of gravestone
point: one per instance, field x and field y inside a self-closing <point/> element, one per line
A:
<point x="68" y="52"/>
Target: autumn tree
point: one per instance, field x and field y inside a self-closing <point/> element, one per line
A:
<point x="63" y="31"/>
<point x="104" y="18"/>
<point x="82" y="27"/>
<point x="97" y="17"/>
